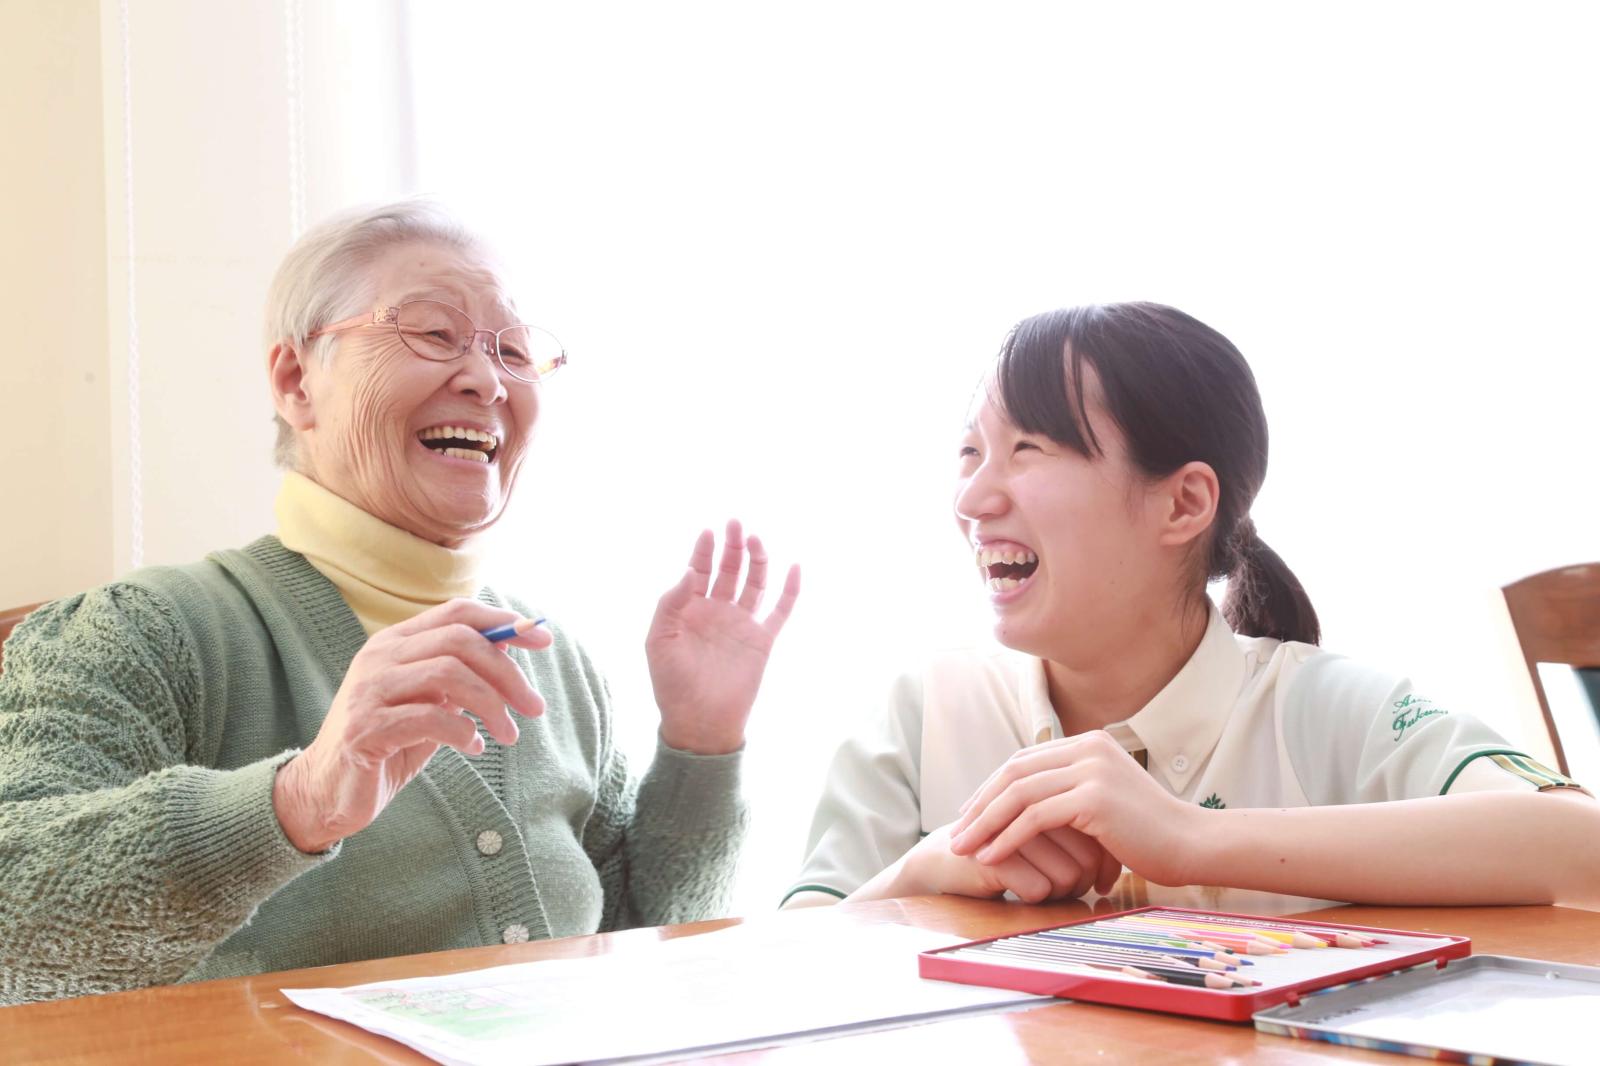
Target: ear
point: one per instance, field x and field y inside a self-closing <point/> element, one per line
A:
<point x="286" y="372"/>
<point x="1188" y="501"/>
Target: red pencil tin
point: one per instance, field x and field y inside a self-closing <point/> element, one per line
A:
<point x="1283" y="978"/>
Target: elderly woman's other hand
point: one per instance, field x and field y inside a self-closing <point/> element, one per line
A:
<point x="707" y="649"/>
<point x="408" y="692"/>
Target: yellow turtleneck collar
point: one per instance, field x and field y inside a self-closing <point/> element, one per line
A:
<point x="385" y="574"/>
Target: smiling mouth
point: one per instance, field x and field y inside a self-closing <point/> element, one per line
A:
<point x="460" y="442"/>
<point x="1006" y="568"/>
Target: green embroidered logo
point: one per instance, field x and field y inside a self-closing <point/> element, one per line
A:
<point x="1213" y="801"/>
<point x="1410" y="711"/>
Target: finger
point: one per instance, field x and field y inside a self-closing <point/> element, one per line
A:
<point x="1064" y="872"/>
<point x="1022" y="880"/>
<point x="732" y="563"/>
<point x="785" y="605"/>
<point x="1110" y="872"/>
<point x="446" y="682"/>
<point x="531" y="633"/>
<point x="1049" y="755"/>
<point x="474" y="613"/>
<point x="985" y="820"/>
<point x="419" y="723"/>
<point x="696" y="578"/>
<point x="1084" y="851"/>
<point x="1060" y="809"/>
<point x="755" y="582"/>
<point x="481" y="657"/>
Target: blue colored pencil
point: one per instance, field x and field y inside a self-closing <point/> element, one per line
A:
<point x="1146" y="945"/>
<point x="506" y="632"/>
<point x="1139" y="935"/>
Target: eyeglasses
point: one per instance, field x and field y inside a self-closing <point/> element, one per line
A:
<point x="440" y="333"/>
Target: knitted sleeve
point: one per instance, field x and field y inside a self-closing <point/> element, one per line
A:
<point x="666" y="847"/>
<point x="123" y="865"/>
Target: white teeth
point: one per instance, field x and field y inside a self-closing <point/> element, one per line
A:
<point x="459" y="433"/>
<point x="466" y="453"/>
<point x="988" y="557"/>
<point x="1001" y="584"/>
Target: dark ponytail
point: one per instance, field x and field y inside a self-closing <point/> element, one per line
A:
<point x="1264" y="598"/>
<point x="1180" y="392"/>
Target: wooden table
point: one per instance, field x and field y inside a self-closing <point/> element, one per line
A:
<point x="247" y="1020"/>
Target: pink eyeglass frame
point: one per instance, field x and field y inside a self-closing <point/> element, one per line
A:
<point x="390" y="316"/>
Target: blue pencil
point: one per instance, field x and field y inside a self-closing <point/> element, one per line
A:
<point x="1140" y="937"/>
<point x="1142" y="945"/>
<point x="505" y="632"/>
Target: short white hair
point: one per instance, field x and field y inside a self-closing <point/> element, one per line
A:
<point x="324" y="277"/>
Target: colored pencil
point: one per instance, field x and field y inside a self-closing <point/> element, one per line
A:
<point x="1136" y="956"/>
<point x="1175" y="974"/>
<point x="1249" y="945"/>
<point x="1338" y="937"/>
<point x="1141" y="936"/>
<point x="1205" y="959"/>
<point x="1201" y="927"/>
<point x="497" y="634"/>
<point x="1093" y="967"/>
<point x="1292" y="937"/>
<point x="1032" y="944"/>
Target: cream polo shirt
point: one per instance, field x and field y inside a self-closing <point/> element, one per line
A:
<point x="1247" y="722"/>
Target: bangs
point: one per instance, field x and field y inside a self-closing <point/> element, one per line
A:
<point x="1035" y="371"/>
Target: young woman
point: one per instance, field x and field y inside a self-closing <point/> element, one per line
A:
<point x="1106" y="475"/>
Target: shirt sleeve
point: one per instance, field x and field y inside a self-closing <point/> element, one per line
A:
<point x="124" y="865"/>
<point x="666" y="846"/>
<point x="1358" y="735"/>
<point x="870" y="812"/>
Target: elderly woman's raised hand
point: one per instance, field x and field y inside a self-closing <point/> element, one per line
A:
<point x="708" y="650"/>
<point x="408" y="692"/>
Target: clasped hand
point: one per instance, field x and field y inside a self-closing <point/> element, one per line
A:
<point x="1057" y="819"/>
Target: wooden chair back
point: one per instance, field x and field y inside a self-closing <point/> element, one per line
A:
<point x="9" y="617"/>
<point x="1556" y="615"/>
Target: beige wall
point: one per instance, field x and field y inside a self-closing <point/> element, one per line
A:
<point x="57" y="533"/>
<point x="216" y="199"/>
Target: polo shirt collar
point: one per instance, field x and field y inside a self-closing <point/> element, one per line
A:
<point x="1033" y="692"/>
<point x="1181" y="725"/>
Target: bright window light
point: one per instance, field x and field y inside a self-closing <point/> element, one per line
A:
<point x="780" y="242"/>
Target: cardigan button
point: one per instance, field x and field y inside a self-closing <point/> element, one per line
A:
<point x="489" y="842"/>
<point x="516" y="933"/>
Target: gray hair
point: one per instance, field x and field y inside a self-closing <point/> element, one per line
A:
<point x="323" y="278"/>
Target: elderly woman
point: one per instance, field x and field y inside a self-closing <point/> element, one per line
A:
<point x="306" y="750"/>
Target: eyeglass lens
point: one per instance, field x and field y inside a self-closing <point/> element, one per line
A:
<point x="441" y="333"/>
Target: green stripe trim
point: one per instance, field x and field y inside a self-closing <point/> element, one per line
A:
<point x="1556" y="780"/>
<point x="1555" y="777"/>
<point x="1515" y="767"/>
<point x="797" y="889"/>
<point x="1540" y="770"/>
<point x="1475" y="755"/>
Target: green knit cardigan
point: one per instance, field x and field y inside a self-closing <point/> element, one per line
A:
<point x="141" y="725"/>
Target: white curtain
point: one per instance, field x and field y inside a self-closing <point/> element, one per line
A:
<point x="227" y="127"/>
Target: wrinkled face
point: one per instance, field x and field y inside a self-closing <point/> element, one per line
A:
<point x="1065" y="544"/>
<point x="430" y="447"/>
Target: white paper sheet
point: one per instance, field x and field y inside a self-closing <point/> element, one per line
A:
<point x="793" y="978"/>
